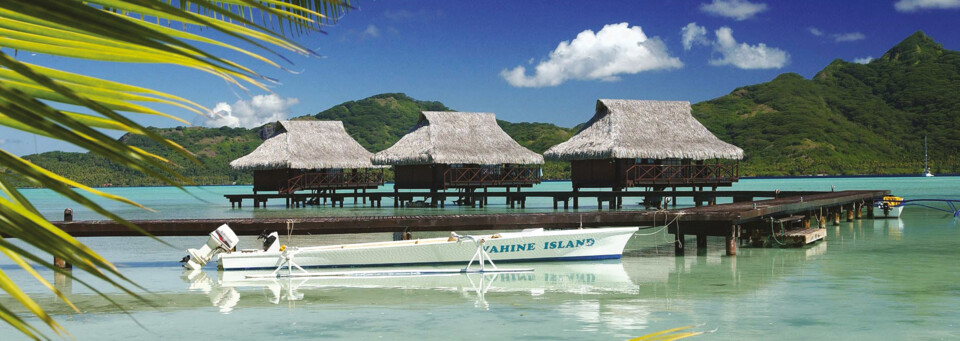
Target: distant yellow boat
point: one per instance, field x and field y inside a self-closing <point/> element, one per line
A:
<point x="891" y="205"/>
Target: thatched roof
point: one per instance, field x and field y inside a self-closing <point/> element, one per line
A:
<point x="456" y="138"/>
<point x="629" y="129"/>
<point x="307" y="145"/>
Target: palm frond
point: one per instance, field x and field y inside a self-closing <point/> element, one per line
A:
<point x="127" y="31"/>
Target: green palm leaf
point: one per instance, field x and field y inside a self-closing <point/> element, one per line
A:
<point x="119" y="31"/>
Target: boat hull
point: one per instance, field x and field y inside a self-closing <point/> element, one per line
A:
<point x="892" y="212"/>
<point x="539" y="245"/>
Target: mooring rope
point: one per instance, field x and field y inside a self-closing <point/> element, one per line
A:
<point x="666" y="224"/>
<point x="290" y="226"/>
<point x="773" y="233"/>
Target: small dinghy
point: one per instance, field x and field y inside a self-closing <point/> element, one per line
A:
<point x="526" y="246"/>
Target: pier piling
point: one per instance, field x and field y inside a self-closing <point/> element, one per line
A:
<point x="57" y="261"/>
<point x="701" y="245"/>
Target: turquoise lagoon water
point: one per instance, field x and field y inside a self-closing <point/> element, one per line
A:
<point x="870" y="279"/>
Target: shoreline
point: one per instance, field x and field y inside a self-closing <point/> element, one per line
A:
<point x="761" y="177"/>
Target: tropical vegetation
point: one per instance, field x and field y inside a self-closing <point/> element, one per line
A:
<point x="849" y="118"/>
<point x="40" y="100"/>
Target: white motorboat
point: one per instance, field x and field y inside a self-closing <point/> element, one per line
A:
<point x="527" y="245"/>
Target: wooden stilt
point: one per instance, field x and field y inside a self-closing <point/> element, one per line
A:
<point x="731" y="241"/>
<point x="850" y="213"/>
<point x="57" y="261"/>
<point x="836" y="216"/>
<point x="701" y="244"/>
<point x="576" y="198"/>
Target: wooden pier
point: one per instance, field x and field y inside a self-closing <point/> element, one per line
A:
<point x="739" y="222"/>
<point x="515" y="199"/>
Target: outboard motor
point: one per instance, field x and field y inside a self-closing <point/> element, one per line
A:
<point x="270" y="243"/>
<point x="221" y="240"/>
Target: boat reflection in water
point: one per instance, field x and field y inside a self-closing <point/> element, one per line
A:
<point x="233" y="289"/>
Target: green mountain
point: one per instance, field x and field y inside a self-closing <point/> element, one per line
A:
<point x="376" y="122"/>
<point x="849" y="118"/>
<point x="214" y="149"/>
<point x="379" y="121"/>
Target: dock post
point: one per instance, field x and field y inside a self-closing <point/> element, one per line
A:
<point x="836" y="216"/>
<point x="859" y="210"/>
<point x="508" y="196"/>
<point x="354" y="196"/>
<point x="554" y="203"/>
<point x="365" y="197"/>
<point x="678" y="244"/>
<point x="701" y="245"/>
<point x="732" y="240"/>
<point x="674" y="202"/>
<point x="850" y="213"/>
<point x="396" y="197"/>
<point x="485" y="197"/>
<point x="576" y="198"/>
<point x="870" y="211"/>
<point x="57" y="261"/>
<point x="822" y="221"/>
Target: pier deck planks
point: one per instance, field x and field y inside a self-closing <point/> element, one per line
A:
<point x="715" y="220"/>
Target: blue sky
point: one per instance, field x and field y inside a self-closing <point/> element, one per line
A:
<point x="467" y="55"/>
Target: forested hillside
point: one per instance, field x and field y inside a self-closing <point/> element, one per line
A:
<point x="376" y="122"/>
<point x="848" y="119"/>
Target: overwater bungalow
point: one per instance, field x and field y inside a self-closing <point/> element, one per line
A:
<point x="310" y="155"/>
<point x="458" y="150"/>
<point x="653" y="144"/>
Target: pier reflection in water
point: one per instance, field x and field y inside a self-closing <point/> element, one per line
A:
<point x="903" y="271"/>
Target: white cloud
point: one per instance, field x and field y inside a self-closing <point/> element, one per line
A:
<point x="371" y="31"/>
<point x="614" y="50"/>
<point x="843" y="37"/>
<point x="917" y="5"/>
<point x="694" y="35"/>
<point x="258" y="111"/>
<point x="744" y="56"/>
<point x="735" y="9"/>
<point x="863" y="60"/>
<point x="838" y="37"/>
<point x="400" y="15"/>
